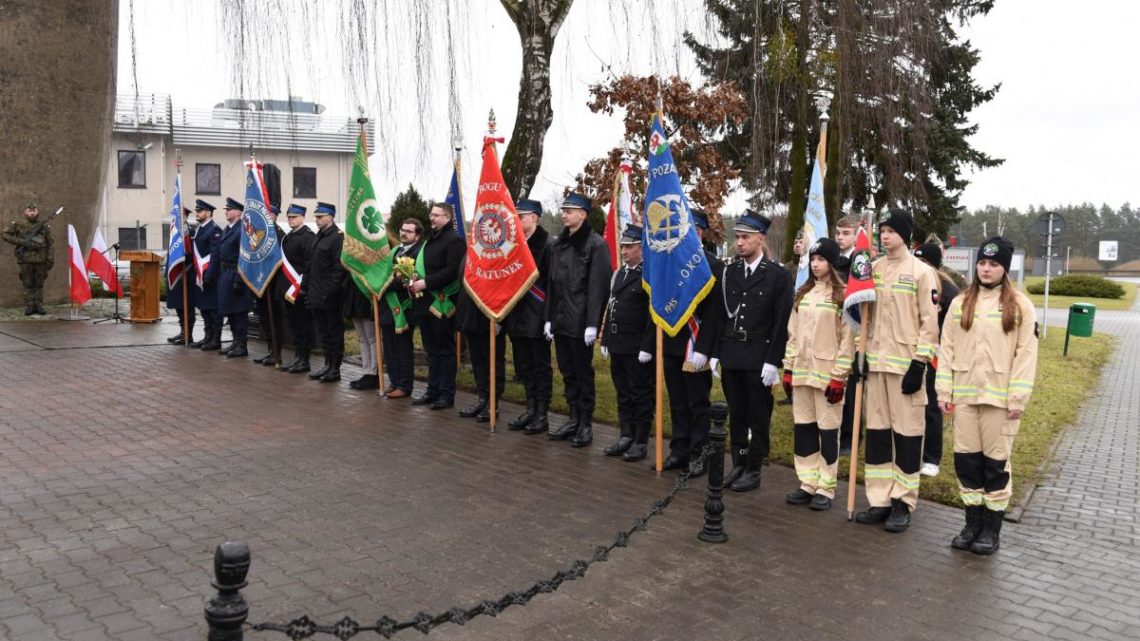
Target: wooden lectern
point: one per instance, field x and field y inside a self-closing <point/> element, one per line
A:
<point x="144" y="285"/>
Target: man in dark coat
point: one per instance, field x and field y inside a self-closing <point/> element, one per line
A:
<point x="579" y="288"/>
<point x="235" y="300"/>
<point x="174" y="294"/>
<point x="206" y="240"/>
<point x="396" y="301"/>
<point x="524" y="326"/>
<point x="476" y="330"/>
<point x="270" y="303"/>
<point x="435" y="307"/>
<point x="753" y="301"/>
<point x="297" y="250"/>
<point x="628" y="338"/>
<point x="323" y="289"/>
<point x="688" y="376"/>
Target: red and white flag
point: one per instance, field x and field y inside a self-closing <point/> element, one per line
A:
<point x="80" y="289"/>
<point x="860" y="283"/>
<point x="293" y="276"/>
<point x="499" y="269"/>
<point x="100" y="265"/>
<point x="201" y="264"/>
<point x="621" y="214"/>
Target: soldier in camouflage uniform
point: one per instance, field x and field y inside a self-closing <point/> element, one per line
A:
<point x="33" y="255"/>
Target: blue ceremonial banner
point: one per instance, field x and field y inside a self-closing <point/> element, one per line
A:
<point x="815" y="221"/>
<point x="674" y="270"/>
<point x="456" y="203"/>
<point x="176" y="251"/>
<point x="260" y="246"/>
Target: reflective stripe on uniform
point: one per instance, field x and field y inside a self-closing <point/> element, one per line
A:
<point x="971" y="497"/>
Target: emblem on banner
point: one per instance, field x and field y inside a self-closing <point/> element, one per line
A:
<point x="667" y="223"/>
<point x="494" y="231"/>
<point x="369" y="221"/>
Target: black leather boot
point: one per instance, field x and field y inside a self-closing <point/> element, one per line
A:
<point x="540" y="423"/>
<point x="738" y="456"/>
<point x="333" y="374"/>
<point x="323" y="370"/>
<point x="176" y="339"/>
<point x="585" y="434"/>
<point x="873" y="515"/>
<point x="525" y="418"/>
<point x="899" y="518"/>
<point x="989" y="540"/>
<point x="620" y="447"/>
<point x="213" y="341"/>
<point x="636" y="452"/>
<point x="366" y="382"/>
<point x="238" y="349"/>
<point x="473" y="409"/>
<point x="206" y="336"/>
<point x="974" y="517"/>
<point x="484" y="415"/>
<point x="750" y="479"/>
<point x="302" y="363"/>
<point x="568" y="429"/>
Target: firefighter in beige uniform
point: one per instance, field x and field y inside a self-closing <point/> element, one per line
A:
<point x="989" y="360"/>
<point x="900" y="344"/>
<point x="816" y="363"/>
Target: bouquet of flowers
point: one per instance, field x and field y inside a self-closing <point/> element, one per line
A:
<point x="405" y="267"/>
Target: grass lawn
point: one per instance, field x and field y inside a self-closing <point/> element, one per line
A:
<point x="1062" y="386"/>
<point x="1063" y="302"/>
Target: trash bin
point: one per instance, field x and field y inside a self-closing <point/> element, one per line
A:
<point x="1081" y="316"/>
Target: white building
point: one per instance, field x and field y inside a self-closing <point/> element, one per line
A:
<point x="314" y="153"/>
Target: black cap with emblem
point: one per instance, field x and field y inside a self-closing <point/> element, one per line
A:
<point x="999" y="250"/>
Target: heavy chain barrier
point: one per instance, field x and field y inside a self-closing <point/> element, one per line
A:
<point x="424" y="622"/>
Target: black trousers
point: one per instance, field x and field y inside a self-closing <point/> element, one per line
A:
<point x="331" y="325"/>
<point x="271" y="330"/>
<point x="848" y="410"/>
<point x="576" y="362"/>
<point x="633" y="382"/>
<point x="300" y="324"/>
<point x="182" y="318"/>
<point x="398" y="357"/>
<point x="749" y="409"/>
<point x="688" y="408"/>
<point x="438" y="335"/>
<point x="932" y="443"/>
<point x="211" y="319"/>
<point x="239" y="324"/>
<point x="479" y="348"/>
<point x="532" y="366"/>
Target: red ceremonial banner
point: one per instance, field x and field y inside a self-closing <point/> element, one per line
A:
<point x="499" y="269"/>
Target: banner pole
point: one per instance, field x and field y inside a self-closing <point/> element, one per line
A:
<point x="182" y="229"/>
<point x="659" y="398"/>
<point x="458" y="350"/>
<point x="491" y="379"/>
<point x="273" y="347"/>
<point x="379" y="343"/>
<point x="857" y="420"/>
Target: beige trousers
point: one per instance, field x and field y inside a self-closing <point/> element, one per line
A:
<point x="816" y="438"/>
<point x="896" y="424"/>
<point x="983" y="443"/>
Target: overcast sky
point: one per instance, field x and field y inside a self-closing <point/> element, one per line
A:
<point x="1064" y="120"/>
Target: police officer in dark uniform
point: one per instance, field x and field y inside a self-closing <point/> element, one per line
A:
<point x="186" y="317"/>
<point x="324" y="288"/>
<point x="579" y="288"/>
<point x="235" y="300"/>
<point x="205" y="248"/>
<point x="627" y="340"/>
<point x="270" y="303"/>
<point x="442" y="252"/>
<point x="753" y="301"/>
<point x="524" y="325"/>
<point x="297" y="248"/>
<point x="688" y="376"/>
<point x="399" y="352"/>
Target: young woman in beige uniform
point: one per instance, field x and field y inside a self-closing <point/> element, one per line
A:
<point x="817" y="361"/>
<point x="989" y="347"/>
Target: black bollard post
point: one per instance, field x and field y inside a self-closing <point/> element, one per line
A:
<point x="713" y="531"/>
<point x="226" y="612"/>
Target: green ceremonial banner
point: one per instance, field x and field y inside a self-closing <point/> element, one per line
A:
<point x="367" y="250"/>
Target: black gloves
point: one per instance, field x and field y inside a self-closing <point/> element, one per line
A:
<point x="912" y="380"/>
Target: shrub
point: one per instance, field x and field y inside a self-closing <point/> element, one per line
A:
<point x="1080" y="285"/>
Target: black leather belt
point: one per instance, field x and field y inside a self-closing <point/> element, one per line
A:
<point x="615" y="328"/>
<point x="744" y="335"/>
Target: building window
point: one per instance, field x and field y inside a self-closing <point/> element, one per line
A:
<point x="304" y="182"/>
<point x="132" y="169"/>
<point x="208" y="179"/>
<point x="132" y="238"/>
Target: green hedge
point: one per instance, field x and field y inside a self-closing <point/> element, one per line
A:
<point x="1080" y="285"/>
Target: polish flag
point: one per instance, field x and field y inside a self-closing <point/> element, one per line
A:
<point x="80" y="287"/>
<point x="100" y="265"/>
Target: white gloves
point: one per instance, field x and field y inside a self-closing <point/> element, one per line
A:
<point x="714" y="365"/>
<point x="591" y="335"/>
<point x="771" y="375"/>
<point x="605" y="352"/>
<point x="698" y="361"/>
<point x="546" y="331"/>
<point x="644" y="357"/>
<point x="498" y="328"/>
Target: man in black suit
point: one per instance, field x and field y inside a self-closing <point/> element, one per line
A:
<point x="627" y="340"/>
<point x="297" y="248"/>
<point x="323" y="289"/>
<point x="438" y="285"/>
<point x="397" y="341"/>
<point x="753" y="301"/>
<point x="235" y="300"/>
<point x="206" y="240"/>
<point x="688" y="376"/>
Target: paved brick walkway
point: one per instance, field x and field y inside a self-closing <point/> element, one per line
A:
<point x="124" y="461"/>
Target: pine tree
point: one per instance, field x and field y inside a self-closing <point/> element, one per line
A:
<point x="408" y="204"/>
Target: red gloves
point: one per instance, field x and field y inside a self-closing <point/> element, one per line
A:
<point x="834" y="391"/>
<point x="788" y="383"/>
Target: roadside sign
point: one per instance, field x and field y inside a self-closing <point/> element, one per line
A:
<point x="1041" y="225"/>
<point x="1108" y="250"/>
